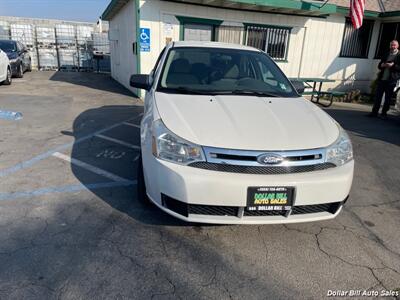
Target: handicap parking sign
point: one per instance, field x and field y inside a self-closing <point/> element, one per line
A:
<point x="144" y="39"/>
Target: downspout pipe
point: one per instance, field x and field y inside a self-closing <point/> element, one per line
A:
<point x="138" y="61"/>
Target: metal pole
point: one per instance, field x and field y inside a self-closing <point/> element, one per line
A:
<point x="77" y="47"/>
<point x="57" y="50"/>
<point x="37" y="50"/>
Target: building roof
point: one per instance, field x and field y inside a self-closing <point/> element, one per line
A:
<point x="391" y="5"/>
<point x="380" y="6"/>
<point x="374" y="8"/>
<point x="113" y="8"/>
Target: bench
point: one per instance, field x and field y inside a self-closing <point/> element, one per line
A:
<point x="330" y="95"/>
<point x="310" y="93"/>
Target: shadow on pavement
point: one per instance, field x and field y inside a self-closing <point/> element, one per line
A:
<point x="372" y="128"/>
<point x="92" y="80"/>
<point x="115" y="158"/>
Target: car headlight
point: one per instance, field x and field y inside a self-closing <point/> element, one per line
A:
<point x="170" y="147"/>
<point x="341" y="151"/>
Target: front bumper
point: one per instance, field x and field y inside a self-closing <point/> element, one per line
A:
<point x="189" y="185"/>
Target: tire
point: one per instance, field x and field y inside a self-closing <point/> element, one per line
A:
<point x="141" y="185"/>
<point x="8" y="80"/>
<point x="20" y="72"/>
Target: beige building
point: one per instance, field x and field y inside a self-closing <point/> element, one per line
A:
<point x="305" y="38"/>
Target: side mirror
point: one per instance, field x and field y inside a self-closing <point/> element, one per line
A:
<point x="140" y="81"/>
<point x="299" y="86"/>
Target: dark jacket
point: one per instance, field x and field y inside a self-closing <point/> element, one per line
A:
<point x="394" y="70"/>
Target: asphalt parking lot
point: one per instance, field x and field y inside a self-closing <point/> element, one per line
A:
<point x="72" y="228"/>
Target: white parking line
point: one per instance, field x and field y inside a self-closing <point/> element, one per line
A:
<point x="89" y="167"/>
<point x="118" y="141"/>
<point x="130" y="124"/>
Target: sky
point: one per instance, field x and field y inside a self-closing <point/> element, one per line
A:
<point x="72" y="10"/>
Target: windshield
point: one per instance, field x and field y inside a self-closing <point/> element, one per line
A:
<point x="8" y="46"/>
<point x="223" y="71"/>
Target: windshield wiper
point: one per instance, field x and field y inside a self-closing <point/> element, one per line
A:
<point x="185" y="90"/>
<point x="246" y="92"/>
<point x="255" y="93"/>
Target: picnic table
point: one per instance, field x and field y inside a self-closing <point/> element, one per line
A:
<point x="315" y="84"/>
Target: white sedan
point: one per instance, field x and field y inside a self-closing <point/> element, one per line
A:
<point x="226" y="138"/>
<point x="5" y="69"/>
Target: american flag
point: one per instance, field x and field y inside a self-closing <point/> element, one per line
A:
<point x="357" y="12"/>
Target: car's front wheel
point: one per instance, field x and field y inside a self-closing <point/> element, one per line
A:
<point x="141" y="186"/>
<point x="8" y="78"/>
<point x="20" y="71"/>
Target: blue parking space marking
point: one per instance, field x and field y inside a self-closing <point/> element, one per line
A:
<point x="32" y="161"/>
<point x="66" y="188"/>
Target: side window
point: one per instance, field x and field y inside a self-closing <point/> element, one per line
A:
<point x="18" y="46"/>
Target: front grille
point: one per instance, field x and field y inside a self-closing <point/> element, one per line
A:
<point x="213" y="210"/>
<point x="237" y="157"/>
<point x="309" y="209"/>
<point x="260" y="170"/>
<point x="175" y="205"/>
<point x="185" y="209"/>
<point x="250" y="213"/>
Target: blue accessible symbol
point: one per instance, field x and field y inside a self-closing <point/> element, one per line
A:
<point x="144" y="39"/>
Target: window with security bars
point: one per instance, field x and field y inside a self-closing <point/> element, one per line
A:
<point x="272" y="40"/>
<point x="356" y="42"/>
<point x="388" y="33"/>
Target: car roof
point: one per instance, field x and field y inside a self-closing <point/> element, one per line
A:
<point x="212" y="45"/>
<point x="12" y="41"/>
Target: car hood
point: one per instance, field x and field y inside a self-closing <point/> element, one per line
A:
<point x="12" y="55"/>
<point x="247" y="122"/>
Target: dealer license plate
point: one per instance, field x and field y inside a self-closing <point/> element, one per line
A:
<point x="269" y="198"/>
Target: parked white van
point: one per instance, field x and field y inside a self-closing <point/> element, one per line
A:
<point x="226" y="138"/>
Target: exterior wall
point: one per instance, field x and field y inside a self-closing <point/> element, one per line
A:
<point x="122" y="35"/>
<point x="321" y="56"/>
<point x="314" y="44"/>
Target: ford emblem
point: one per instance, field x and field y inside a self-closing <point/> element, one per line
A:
<point x="270" y="159"/>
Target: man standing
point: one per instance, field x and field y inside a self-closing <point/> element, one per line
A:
<point x="389" y="67"/>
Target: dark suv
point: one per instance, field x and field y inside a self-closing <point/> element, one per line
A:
<point x="19" y="57"/>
